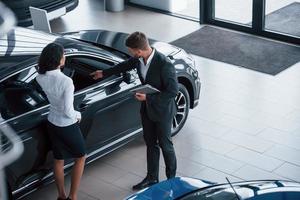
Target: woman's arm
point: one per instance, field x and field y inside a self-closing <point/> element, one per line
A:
<point x="68" y="99"/>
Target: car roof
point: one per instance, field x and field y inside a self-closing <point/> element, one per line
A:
<point x="22" y="41"/>
<point x="22" y="45"/>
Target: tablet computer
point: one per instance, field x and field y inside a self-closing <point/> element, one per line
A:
<point x="145" y="89"/>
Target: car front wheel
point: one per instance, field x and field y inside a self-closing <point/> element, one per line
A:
<point x="183" y="105"/>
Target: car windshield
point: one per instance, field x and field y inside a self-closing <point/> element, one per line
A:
<point x="245" y="192"/>
<point x="213" y="194"/>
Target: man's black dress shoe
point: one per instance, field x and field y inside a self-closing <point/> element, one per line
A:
<point x="145" y="183"/>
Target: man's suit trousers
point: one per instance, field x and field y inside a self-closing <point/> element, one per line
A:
<point x="158" y="134"/>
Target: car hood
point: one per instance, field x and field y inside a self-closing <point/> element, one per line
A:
<point x="116" y="40"/>
<point x="170" y="189"/>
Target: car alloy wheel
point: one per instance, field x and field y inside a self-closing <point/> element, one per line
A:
<point x="183" y="104"/>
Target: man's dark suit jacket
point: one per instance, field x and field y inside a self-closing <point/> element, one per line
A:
<point x="161" y="75"/>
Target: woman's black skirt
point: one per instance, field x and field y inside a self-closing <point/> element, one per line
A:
<point x="67" y="142"/>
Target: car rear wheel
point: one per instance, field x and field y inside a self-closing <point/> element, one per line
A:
<point x="183" y="105"/>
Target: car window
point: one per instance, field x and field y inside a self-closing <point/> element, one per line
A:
<point x="20" y="94"/>
<point x="220" y="193"/>
<point x="286" y="195"/>
<point x="245" y="192"/>
<point x="212" y="195"/>
<point x="80" y="67"/>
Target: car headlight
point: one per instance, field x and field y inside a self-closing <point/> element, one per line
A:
<point x="191" y="61"/>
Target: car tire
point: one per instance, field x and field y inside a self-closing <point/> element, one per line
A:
<point x="183" y="105"/>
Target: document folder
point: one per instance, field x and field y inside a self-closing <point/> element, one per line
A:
<point x="145" y="89"/>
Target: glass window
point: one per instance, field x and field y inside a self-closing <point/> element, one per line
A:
<point x="288" y="195"/>
<point x="238" y="11"/>
<point x="283" y="16"/>
<point x="189" y="8"/>
<point x="80" y="67"/>
<point x="20" y="94"/>
<point x="222" y="192"/>
<point x="212" y="194"/>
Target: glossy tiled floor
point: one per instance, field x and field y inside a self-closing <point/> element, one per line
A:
<point x="91" y="15"/>
<point x="247" y="125"/>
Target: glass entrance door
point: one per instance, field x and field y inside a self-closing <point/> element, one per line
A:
<point x="234" y="11"/>
<point x="189" y="9"/>
<point x="283" y="17"/>
<point x="276" y="19"/>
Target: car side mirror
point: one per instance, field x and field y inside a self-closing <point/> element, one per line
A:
<point x="171" y="57"/>
<point x="127" y="78"/>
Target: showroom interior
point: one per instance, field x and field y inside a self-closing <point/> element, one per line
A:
<point x="246" y="123"/>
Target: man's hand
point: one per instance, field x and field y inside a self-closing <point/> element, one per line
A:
<point x="140" y="96"/>
<point x="78" y="120"/>
<point x="97" y="74"/>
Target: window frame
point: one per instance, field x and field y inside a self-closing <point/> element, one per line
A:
<point x="25" y="85"/>
<point x="92" y="57"/>
<point x="258" y="21"/>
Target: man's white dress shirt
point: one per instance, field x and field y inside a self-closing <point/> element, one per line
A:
<point x="59" y="89"/>
<point x="145" y="66"/>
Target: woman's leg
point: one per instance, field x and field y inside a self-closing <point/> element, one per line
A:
<point x="76" y="176"/>
<point x="60" y="177"/>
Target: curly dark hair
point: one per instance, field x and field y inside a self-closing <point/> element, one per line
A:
<point x="50" y="57"/>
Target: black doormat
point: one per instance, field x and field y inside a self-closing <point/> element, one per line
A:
<point x="239" y="49"/>
<point x="286" y="19"/>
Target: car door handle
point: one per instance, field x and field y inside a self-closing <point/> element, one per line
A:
<point x="83" y="107"/>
